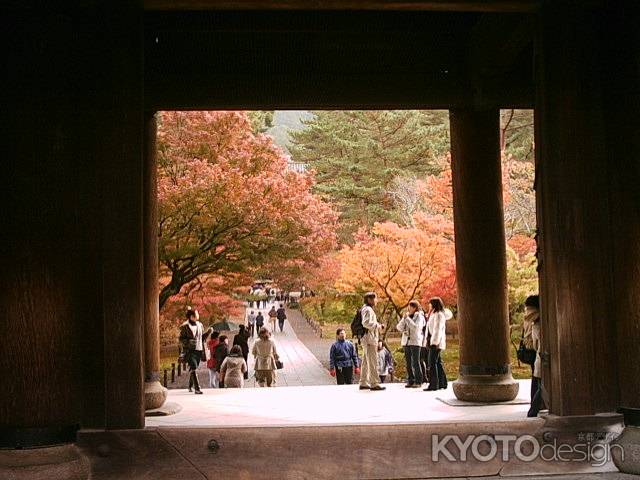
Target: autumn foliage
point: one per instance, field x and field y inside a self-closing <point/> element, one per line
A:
<point x="228" y="208"/>
<point x="374" y="211"/>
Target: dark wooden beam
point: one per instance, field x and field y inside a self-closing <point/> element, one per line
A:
<point x="423" y="5"/>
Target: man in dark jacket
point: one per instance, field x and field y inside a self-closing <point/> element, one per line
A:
<point x="281" y="314"/>
<point x="220" y="353"/>
<point x="343" y="359"/>
<point x="242" y="339"/>
<point x="259" y="321"/>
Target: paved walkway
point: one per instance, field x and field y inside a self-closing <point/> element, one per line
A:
<point x="301" y="365"/>
<point x="330" y="405"/>
<point x="318" y="346"/>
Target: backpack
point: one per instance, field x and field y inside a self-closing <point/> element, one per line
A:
<point x="357" y="329"/>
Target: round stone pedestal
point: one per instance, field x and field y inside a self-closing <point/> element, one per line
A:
<point x="626" y="450"/>
<point x="486" y="388"/>
<point x="154" y="395"/>
<point x="47" y="463"/>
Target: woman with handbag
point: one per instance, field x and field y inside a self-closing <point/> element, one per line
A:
<point x="266" y="358"/>
<point x="193" y="340"/>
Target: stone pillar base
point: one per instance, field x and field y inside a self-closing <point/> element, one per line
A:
<point x="629" y="441"/>
<point x="154" y="395"/>
<point x="486" y="388"/>
<point x="63" y="461"/>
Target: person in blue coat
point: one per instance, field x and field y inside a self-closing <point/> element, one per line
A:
<point x="343" y="359"/>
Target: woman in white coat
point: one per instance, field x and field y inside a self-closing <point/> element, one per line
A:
<point x="437" y="342"/>
<point x="412" y="328"/>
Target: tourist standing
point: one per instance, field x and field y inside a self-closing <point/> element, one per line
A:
<point x="234" y="369"/>
<point x="412" y="328"/>
<point x="343" y="359"/>
<point x="192" y="340"/>
<point x="437" y="338"/>
<point x="281" y="314"/>
<point x="369" y="380"/>
<point x="532" y="315"/>
<point x="266" y="356"/>
<point x="211" y="361"/>
<point x="251" y="323"/>
<point x="273" y="315"/>
<point x="220" y="353"/>
<point x="241" y="339"/>
<point x="385" y="362"/>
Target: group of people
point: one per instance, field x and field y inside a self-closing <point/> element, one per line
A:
<point x="227" y="367"/>
<point x="423" y="340"/>
<point x="256" y="321"/>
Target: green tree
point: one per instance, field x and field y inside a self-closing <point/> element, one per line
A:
<point x="358" y="157"/>
<point x="261" y="120"/>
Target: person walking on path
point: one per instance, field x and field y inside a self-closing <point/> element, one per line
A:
<point x="411" y="326"/>
<point x="273" y="315"/>
<point x="437" y="341"/>
<point x="385" y="362"/>
<point x="266" y="356"/>
<point x="233" y="369"/>
<point x="220" y="353"/>
<point x="241" y="339"/>
<point x="343" y="359"/>
<point x="251" y="323"/>
<point x="369" y="380"/>
<point x="259" y="321"/>
<point x="193" y="340"/>
<point x="281" y="314"/>
<point x="211" y="361"/>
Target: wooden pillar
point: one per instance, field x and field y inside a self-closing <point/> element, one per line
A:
<point x="121" y="159"/>
<point x="154" y="393"/>
<point x="481" y="265"/>
<point x="44" y="294"/>
<point x="573" y="186"/>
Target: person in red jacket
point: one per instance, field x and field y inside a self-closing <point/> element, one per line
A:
<point x="211" y="361"/>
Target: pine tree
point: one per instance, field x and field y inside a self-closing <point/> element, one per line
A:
<point x="359" y="155"/>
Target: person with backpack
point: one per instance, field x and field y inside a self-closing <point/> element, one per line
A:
<point x="281" y="314"/>
<point x="412" y="328"/>
<point x="368" y="330"/>
<point x="343" y="359"/>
